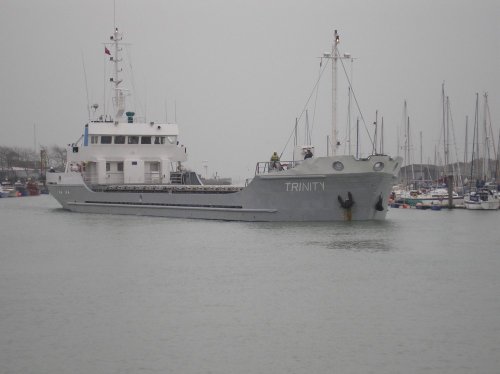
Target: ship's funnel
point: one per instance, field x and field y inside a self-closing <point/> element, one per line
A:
<point x="130" y="117"/>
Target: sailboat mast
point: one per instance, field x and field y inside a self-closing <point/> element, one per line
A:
<point x="409" y="144"/>
<point x="447" y="150"/>
<point x="443" y="103"/>
<point x="475" y="144"/>
<point x="497" y="158"/>
<point x="486" y="151"/>
<point x="421" y="159"/>
<point x="466" y="139"/>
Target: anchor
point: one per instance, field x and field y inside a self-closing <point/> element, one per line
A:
<point x="380" y="204"/>
<point x="347" y="205"/>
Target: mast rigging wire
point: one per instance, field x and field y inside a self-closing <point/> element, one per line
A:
<point x="305" y="107"/>
<point x="314" y="109"/>
<point x="315" y="89"/>
<point x="355" y="99"/>
<point x="86" y="86"/>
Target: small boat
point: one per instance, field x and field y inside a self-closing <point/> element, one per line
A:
<point x="21" y="188"/>
<point x="437" y="196"/>
<point x="9" y="190"/>
<point x="32" y="188"/>
<point x="423" y="206"/>
<point x="482" y="199"/>
<point x="3" y="193"/>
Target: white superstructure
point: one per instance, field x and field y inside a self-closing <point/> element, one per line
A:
<point x="123" y="150"/>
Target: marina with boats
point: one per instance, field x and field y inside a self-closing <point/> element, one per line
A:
<point x="20" y="189"/>
<point x="473" y="183"/>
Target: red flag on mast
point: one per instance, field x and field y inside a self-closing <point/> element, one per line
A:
<point x="106" y="50"/>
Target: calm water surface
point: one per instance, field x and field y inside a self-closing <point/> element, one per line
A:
<point x="81" y="293"/>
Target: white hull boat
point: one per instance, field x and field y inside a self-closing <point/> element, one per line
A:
<point x="483" y="199"/>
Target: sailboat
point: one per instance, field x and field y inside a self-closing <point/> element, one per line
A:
<point x="482" y="196"/>
<point x="122" y="165"/>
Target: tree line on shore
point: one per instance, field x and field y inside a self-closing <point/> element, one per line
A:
<point x="23" y="158"/>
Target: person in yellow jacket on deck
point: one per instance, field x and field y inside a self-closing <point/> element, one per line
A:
<point x="275" y="162"/>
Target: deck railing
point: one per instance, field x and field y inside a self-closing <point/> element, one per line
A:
<point x="274" y="166"/>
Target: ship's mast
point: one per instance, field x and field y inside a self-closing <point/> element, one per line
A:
<point x="335" y="56"/>
<point x="119" y="98"/>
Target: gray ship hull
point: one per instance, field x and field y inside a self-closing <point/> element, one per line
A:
<point x="312" y="191"/>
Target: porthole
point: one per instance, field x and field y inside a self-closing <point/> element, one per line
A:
<point x="337" y="165"/>
<point x="378" y="166"/>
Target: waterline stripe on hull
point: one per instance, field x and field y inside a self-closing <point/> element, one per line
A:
<point x="175" y="206"/>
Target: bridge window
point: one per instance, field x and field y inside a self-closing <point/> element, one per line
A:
<point x="145" y="140"/>
<point x="133" y="140"/>
<point x="159" y="140"/>
<point x="106" y="139"/>
<point x="172" y="139"/>
<point x="119" y="139"/>
<point x="94" y="139"/>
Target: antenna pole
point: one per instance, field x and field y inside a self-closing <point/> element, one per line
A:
<point x="381" y="149"/>
<point x="34" y="136"/>
<point x="357" y="138"/>
<point x="295" y="139"/>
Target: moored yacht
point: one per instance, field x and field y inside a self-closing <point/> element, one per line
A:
<point x="437" y="196"/>
<point x="483" y="198"/>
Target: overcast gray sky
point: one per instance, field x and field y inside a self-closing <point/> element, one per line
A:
<point x="240" y="72"/>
